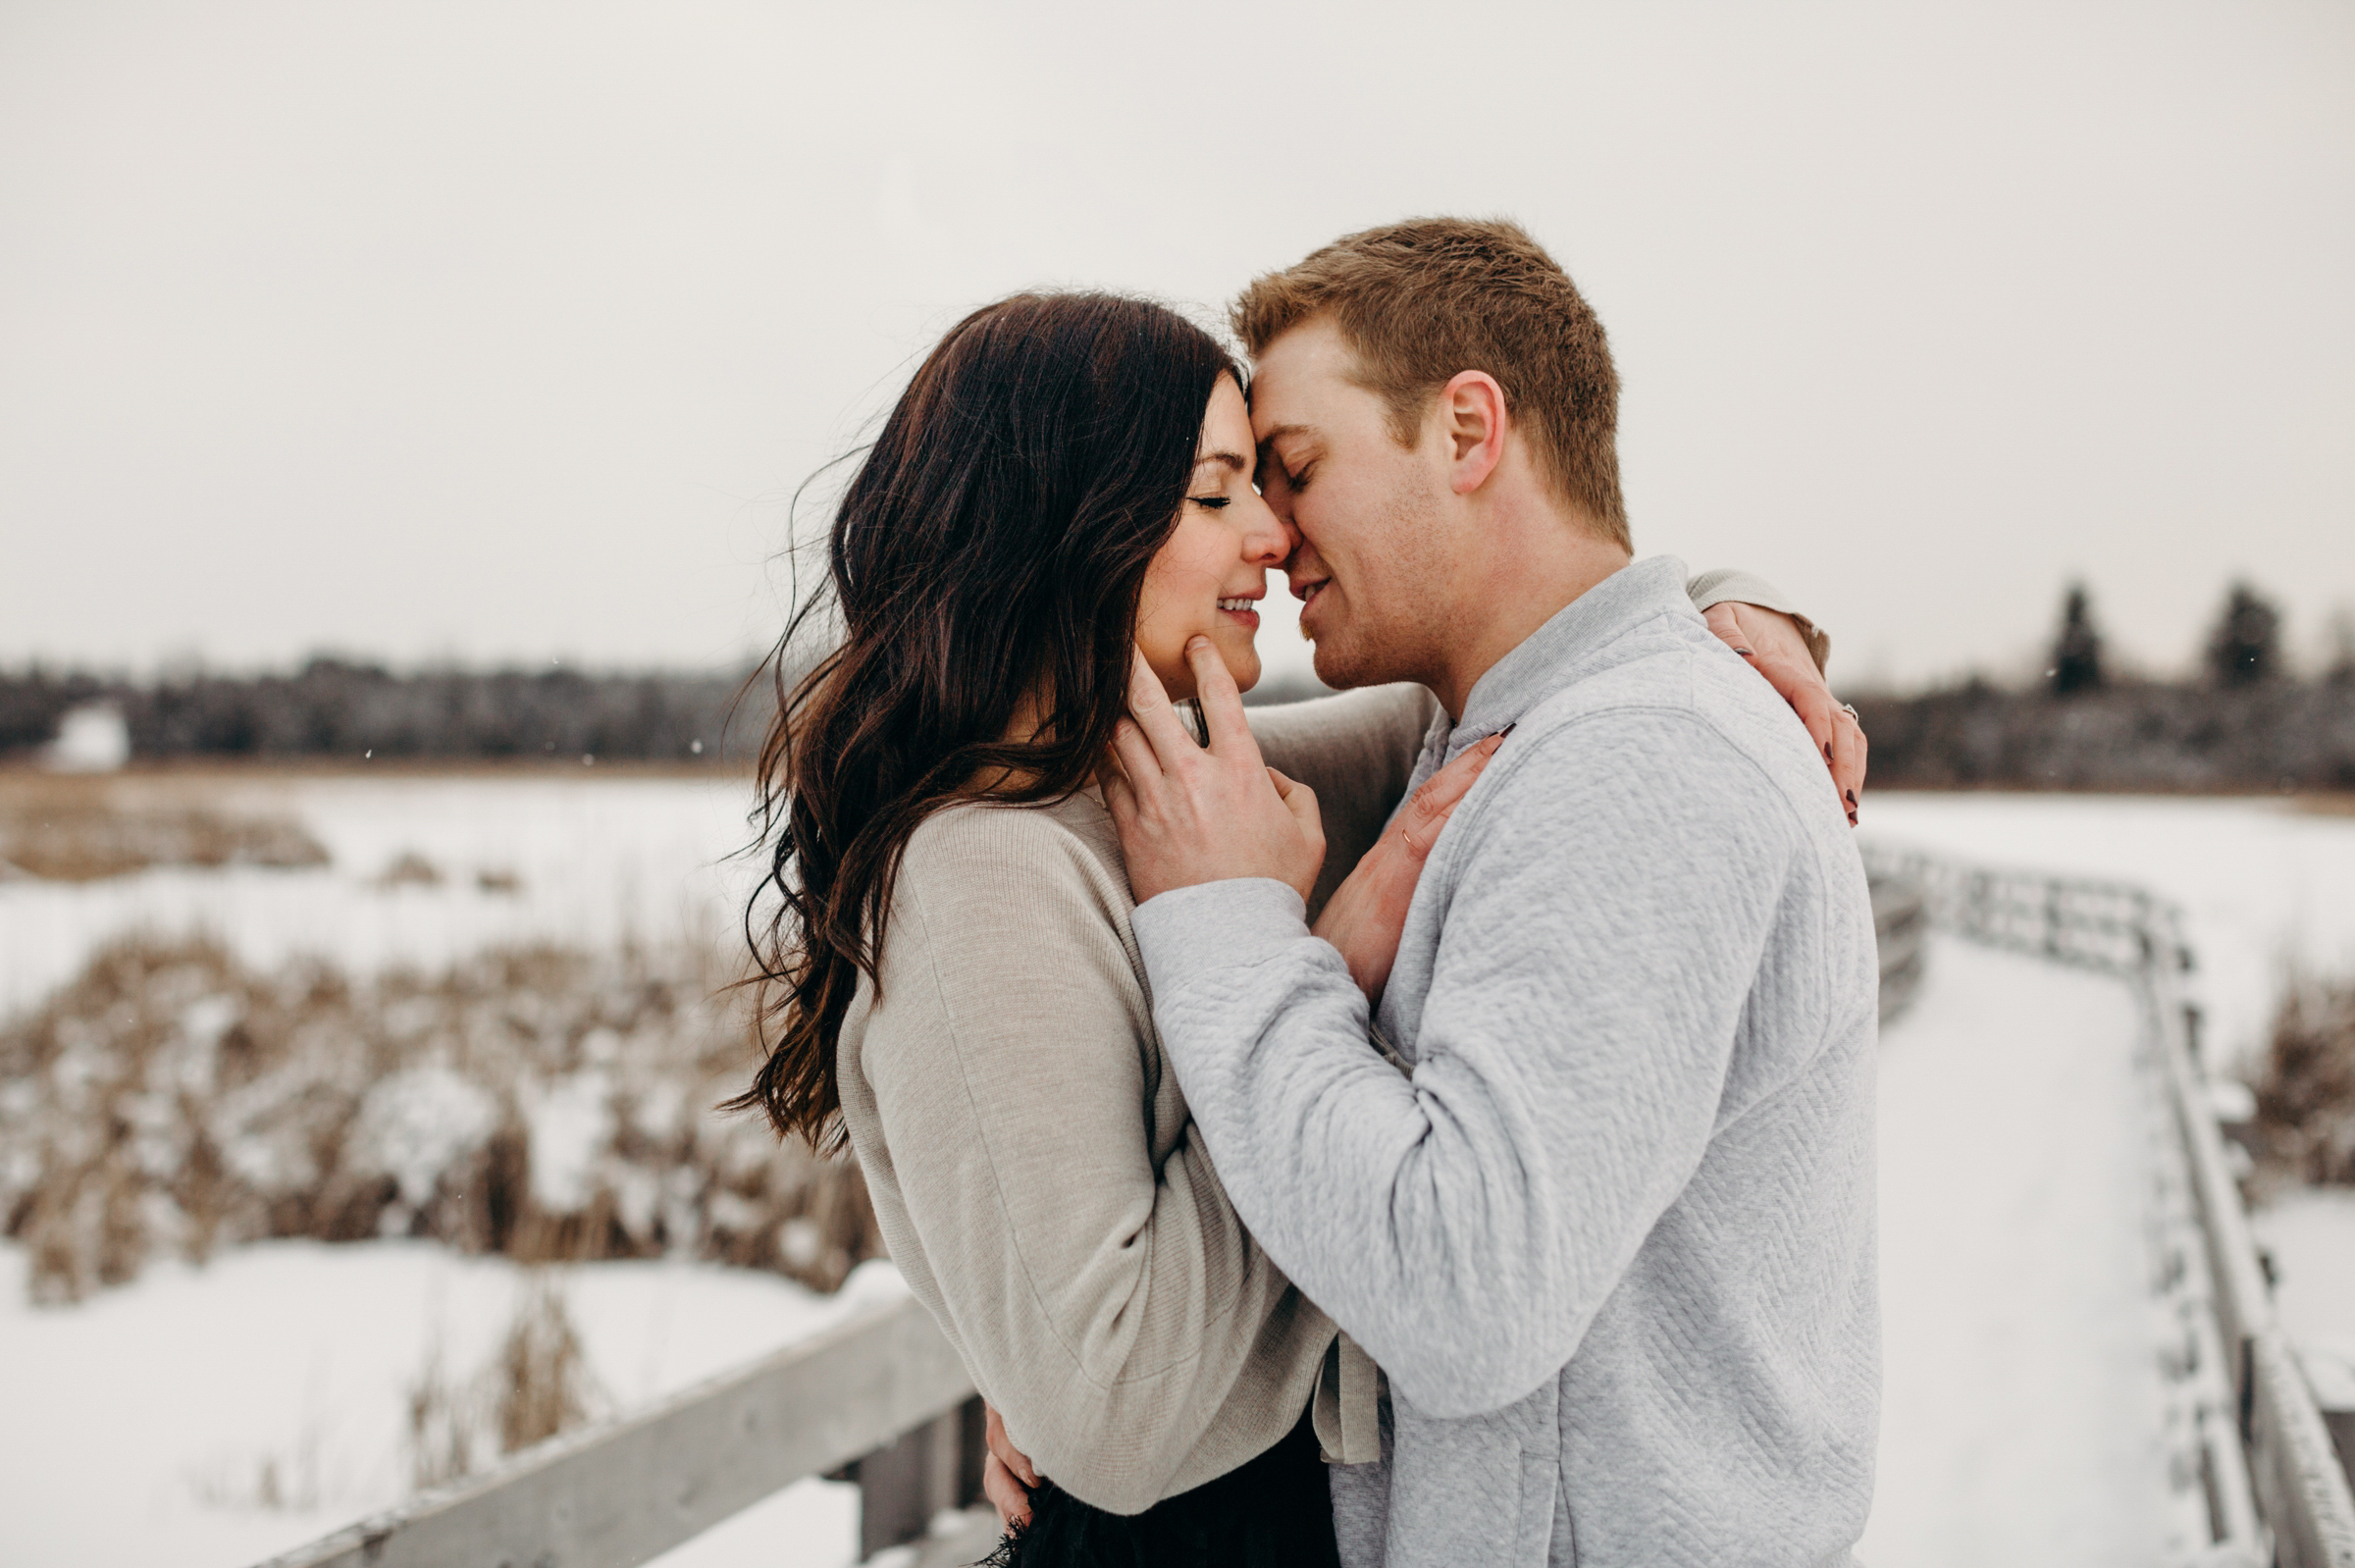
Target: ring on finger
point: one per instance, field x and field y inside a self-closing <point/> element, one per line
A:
<point x="1850" y="708"/>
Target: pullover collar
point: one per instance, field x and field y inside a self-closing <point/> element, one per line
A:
<point x="1557" y="654"/>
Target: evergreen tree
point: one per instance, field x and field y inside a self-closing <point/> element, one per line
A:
<point x="2342" y="647"/>
<point x="2245" y="647"/>
<point x="2076" y="665"/>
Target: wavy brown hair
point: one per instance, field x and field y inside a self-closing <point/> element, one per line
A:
<point x="990" y="552"/>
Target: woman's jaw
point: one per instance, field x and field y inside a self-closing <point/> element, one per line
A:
<point x="1231" y="624"/>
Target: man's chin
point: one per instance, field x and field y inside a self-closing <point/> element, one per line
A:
<point x="1340" y="666"/>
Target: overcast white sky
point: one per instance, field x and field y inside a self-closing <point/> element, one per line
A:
<point x="500" y="330"/>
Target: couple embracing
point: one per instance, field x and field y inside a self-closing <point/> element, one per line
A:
<point x="1426" y="1125"/>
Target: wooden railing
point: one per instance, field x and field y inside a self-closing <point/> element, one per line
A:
<point x="2275" y="1491"/>
<point x="882" y="1394"/>
<point x="1899" y="928"/>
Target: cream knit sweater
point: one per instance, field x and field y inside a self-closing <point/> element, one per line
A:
<point x="1032" y="1165"/>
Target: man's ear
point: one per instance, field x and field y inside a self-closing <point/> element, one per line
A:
<point x="1473" y="416"/>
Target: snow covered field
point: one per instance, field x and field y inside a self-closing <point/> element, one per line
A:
<point x="139" y="1426"/>
<point x="577" y="859"/>
<point x="597" y="859"/>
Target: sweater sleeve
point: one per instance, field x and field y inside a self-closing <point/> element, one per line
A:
<point x="1108" y="1304"/>
<point x="1611" y="885"/>
<point x="1729" y="584"/>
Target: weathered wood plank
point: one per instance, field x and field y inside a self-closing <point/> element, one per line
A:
<point x="620" y="1495"/>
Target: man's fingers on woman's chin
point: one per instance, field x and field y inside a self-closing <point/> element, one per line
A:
<point x="1134" y="750"/>
<point x="1144" y="687"/>
<point x="1212" y="677"/>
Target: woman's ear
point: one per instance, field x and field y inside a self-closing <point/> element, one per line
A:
<point x="1472" y="410"/>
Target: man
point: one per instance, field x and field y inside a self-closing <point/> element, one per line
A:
<point x="1609" y="1236"/>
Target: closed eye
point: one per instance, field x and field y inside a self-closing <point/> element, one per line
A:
<point x="1216" y="504"/>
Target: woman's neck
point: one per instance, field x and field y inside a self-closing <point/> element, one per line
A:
<point x="1029" y="717"/>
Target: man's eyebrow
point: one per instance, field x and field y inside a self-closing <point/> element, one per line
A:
<point x="1241" y="464"/>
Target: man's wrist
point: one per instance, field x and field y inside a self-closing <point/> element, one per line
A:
<point x="1226" y="924"/>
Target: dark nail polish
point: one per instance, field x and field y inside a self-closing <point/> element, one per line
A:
<point x="1851" y="797"/>
<point x="1827" y="751"/>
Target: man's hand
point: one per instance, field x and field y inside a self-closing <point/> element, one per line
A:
<point x="1367" y="912"/>
<point x="1007" y="1475"/>
<point x="1770" y="640"/>
<point x="1187" y="815"/>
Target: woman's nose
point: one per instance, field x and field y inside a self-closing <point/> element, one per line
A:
<point x="1268" y="540"/>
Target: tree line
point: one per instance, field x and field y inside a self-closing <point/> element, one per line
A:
<point x="336" y="708"/>
<point x="331" y="707"/>
<point x="2246" y="722"/>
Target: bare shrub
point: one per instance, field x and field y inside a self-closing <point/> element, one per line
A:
<point x="544" y="1382"/>
<point x="272" y="1481"/>
<point x="550" y="1105"/>
<point x="444" y="1420"/>
<point x="537" y="1385"/>
<point x="2306" y="1093"/>
<point x="410" y="869"/>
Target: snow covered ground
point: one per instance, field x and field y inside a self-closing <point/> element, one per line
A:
<point x="2021" y="1394"/>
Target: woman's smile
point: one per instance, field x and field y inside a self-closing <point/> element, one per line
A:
<point x="1224" y="530"/>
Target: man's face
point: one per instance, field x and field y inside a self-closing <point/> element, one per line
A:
<point x="1373" y="568"/>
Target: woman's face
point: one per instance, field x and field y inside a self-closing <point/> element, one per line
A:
<point x="1209" y="577"/>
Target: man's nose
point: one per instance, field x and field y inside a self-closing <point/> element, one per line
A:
<point x="1303" y="564"/>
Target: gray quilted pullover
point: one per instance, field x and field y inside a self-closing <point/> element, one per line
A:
<point x="1613" y="1241"/>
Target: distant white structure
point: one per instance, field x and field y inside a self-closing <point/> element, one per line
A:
<point x="90" y="739"/>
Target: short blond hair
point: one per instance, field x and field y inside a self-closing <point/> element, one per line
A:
<point x="1420" y="301"/>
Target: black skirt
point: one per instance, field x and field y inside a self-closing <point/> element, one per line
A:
<point x="1275" y="1512"/>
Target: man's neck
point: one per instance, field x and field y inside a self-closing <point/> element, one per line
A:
<point x="1517" y="586"/>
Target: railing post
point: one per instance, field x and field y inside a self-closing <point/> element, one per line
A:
<point x="930" y="1467"/>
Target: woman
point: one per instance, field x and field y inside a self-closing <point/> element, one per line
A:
<point x="953" y="988"/>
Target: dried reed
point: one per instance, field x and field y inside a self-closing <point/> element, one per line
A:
<point x="549" y="1105"/>
<point x="81" y="830"/>
<point x="2306" y="1093"/>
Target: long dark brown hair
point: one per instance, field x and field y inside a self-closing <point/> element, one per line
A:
<point x="990" y="551"/>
